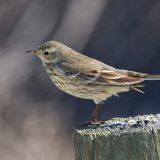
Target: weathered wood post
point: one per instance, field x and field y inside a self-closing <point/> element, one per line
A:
<point x="136" y="138"/>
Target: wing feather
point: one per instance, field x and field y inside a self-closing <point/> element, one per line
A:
<point x="97" y="72"/>
<point x="117" y="78"/>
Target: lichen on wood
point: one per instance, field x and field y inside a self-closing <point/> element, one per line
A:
<point x="133" y="138"/>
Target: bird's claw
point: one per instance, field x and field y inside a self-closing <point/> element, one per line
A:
<point x="88" y="123"/>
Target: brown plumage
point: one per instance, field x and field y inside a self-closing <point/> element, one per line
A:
<point x="85" y="77"/>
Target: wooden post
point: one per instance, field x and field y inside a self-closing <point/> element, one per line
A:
<point x="133" y="138"/>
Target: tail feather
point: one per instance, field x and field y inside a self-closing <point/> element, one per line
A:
<point x="140" y="75"/>
<point x="152" y="77"/>
<point x="135" y="88"/>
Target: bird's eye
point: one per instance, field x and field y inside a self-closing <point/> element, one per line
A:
<point x="46" y="53"/>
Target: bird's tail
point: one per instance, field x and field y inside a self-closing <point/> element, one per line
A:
<point x="151" y="77"/>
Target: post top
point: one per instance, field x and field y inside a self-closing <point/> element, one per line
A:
<point x="117" y="126"/>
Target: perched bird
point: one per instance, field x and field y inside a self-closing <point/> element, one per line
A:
<point x="85" y="77"/>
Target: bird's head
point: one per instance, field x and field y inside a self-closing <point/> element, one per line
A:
<point x="51" y="51"/>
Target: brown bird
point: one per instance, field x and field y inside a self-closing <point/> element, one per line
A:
<point x="85" y="77"/>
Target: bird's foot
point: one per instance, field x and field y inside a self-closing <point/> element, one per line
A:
<point x="88" y="123"/>
<point x="97" y="122"/>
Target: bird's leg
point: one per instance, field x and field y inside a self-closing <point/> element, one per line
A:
<point x="94" y="120"/>
<point x="95" y="115"/>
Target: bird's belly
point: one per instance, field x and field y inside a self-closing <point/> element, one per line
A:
<point x="77" y="91"/>
<point x="84" y="90"/>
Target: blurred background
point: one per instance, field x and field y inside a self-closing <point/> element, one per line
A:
<point x="36" y="118"/>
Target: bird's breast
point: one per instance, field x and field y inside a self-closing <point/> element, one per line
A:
<point x="77" y="88"/>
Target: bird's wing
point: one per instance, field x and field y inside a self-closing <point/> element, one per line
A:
<point x="79" y="72"/>
<point x="117" y="77"/>
<point x="99" y="73"/>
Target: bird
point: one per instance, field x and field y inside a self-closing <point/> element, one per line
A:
<point x="87" y="78"/>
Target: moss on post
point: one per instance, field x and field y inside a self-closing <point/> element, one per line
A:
<point x="133" y="138"/>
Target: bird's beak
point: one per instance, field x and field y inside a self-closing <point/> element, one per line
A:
<point x="32" y="51"/>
